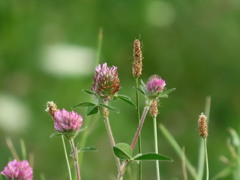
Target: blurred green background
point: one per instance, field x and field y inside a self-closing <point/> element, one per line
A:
<point x="48" y="52"/>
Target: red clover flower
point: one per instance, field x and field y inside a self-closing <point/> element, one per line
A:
<point x="106" y="81"/>
<point x="154" y="86"/>
<point x="68" y="123"/>
<point x="18" y="170"/>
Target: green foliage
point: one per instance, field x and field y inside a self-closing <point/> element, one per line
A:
<point x="108" y="107"/>
<point x="56" y="134"/>
<point x="123" y="151"/>
<point x="86" y="149"/>
<point x="2" y="177"/>
<point x="126" y="99"/>
<point x="84" y="104"/>
<point x="92" y="110"/>
<point x="152" y="157"/>
<point x="232" y="168"/>
<point x="88" y="92"/>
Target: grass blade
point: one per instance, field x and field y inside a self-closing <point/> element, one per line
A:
<point x="201" y="159"/>
<point x="178" y="150"/>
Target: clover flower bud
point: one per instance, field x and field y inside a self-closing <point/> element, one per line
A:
<point x="155" y="85"/>
<point x="18" y="170"/>
<point x="106" y="81"/>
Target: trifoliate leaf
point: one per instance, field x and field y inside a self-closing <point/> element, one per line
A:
<point x="123" y="151"/>
<point x="88" y="92"/>
<point x="84" y="104"/>
<point x="92" y="110"/>
<point x="151" y="157"/>
<point x="109" y="107"/>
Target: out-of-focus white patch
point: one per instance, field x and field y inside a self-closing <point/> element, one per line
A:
<point x="160" y="14"/>
<point x="14" y="115"/>
<point x="68" y="60"/>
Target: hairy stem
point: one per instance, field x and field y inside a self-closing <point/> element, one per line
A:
<point x="105" y="114"/>
<point x="111" y="140"/>
<point x="144" y="114"/>
<point x="139" y="139"/>
<point x="156" y="146"/>
<point x="66" y="156"/>
<point x="135" y="139"/>
<point x="75" y="158"/>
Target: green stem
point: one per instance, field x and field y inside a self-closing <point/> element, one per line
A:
<point x="206" y="155"/>
<point x="110" y="134"/>
<point x="75" y="158"/>
<point x="144" y="114"/>
<point x="135" y="139"/>
<point x="156" y="146"/>
<point x="66" y="156"/>
<point x="99" y="45"/>
<point x="139" y="139"/>
<point x="93" y="121"/>
<point x="111" y="140"/>
<point x="201" y="159"/>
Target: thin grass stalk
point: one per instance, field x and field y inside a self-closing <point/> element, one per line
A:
<point x="139" y="139"/>
<point x="206" y="156"/>
<point x="185" y="177"/>
<point x="201" y="159"/>
<point x="90" y="128"/>
<point x="75" y="158"/>
<point x="178" y="150"/>
<point x="23" y="149"/>
<point x="12" y="148"/>
<point x="93" y="122"/>
<point x="66" y="156"/>
<point x="156" y="146"/>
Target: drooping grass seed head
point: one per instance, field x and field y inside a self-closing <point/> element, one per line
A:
<point x="202" y="126"/>
<point x="137" y="55"/>
<point x="154" y="86"/>
<point x="18" y="170"/>
<point x="105" y="82"/>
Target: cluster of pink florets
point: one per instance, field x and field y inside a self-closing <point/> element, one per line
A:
<point x="18" y="170"/>
<point x="65" y="121"/>
<point x="106" y="81"/>
<point x="155" y="85"/>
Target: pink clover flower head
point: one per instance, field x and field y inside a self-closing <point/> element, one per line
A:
<point x="18" y="170"/>
<point x="155" y="85"/>
<point x="105" y="81"/>
<point x="68" y="123"/>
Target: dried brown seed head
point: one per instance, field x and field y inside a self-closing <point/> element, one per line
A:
<point x="202" y="126"/>
<point x="154" y="108"/>
<point x="137" y="55"/>
<point x="51" y="108"/>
